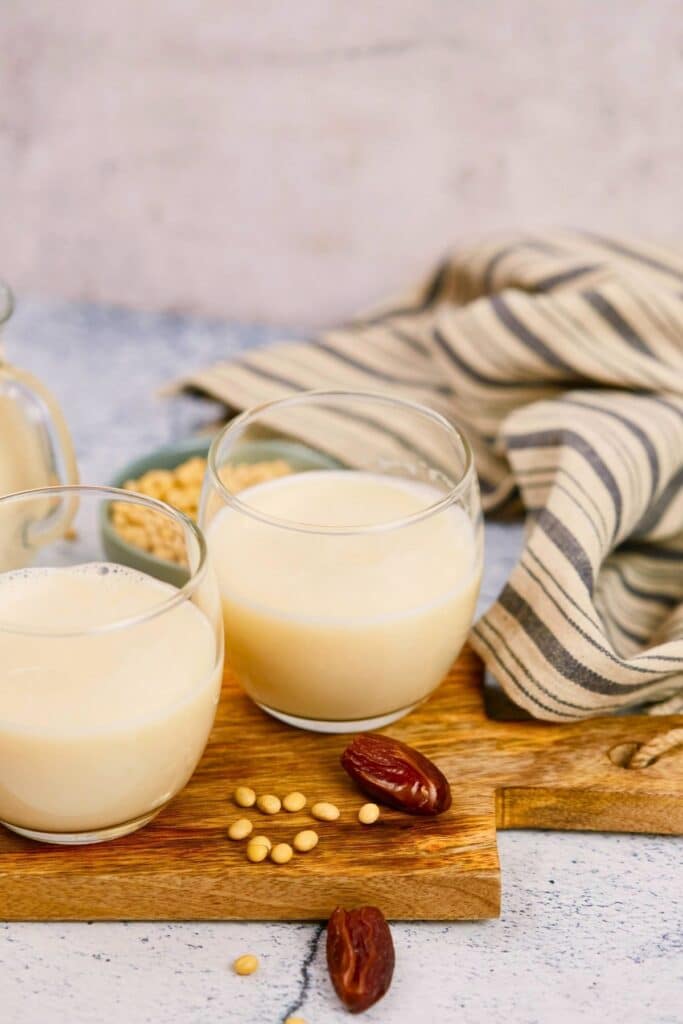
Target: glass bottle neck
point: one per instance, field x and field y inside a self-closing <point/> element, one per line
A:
<point x="6" y="303"/>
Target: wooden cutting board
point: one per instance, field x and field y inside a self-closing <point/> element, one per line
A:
<point x="503" y="774"/>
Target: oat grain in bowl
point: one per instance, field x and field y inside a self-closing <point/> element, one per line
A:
<point x="181" y="488"/>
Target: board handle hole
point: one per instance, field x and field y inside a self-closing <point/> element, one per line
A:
<point x="621" y="754"/>
<point x="635" y="756"/>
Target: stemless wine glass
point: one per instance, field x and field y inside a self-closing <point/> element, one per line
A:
<point x="349" y="578"/>
<point x="109" y="676"/>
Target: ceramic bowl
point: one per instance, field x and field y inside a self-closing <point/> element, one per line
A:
<point x="299" y="456"/>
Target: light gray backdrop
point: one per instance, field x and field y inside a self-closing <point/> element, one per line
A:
<point x="293" y="162"/>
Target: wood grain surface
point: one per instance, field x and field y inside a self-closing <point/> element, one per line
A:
<point x="503" y="775"/>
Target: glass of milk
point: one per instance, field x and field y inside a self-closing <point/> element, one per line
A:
<point x="110" y="672"/>
<point x="348" y="584"/>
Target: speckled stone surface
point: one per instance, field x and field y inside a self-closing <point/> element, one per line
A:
<point x="592" y="925"/>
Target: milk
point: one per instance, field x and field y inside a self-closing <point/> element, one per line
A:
<point x="340" y="627"/>
<point x="23" y="460"/>
<point x="99" y="728"/>
<point x="35" y="451"/>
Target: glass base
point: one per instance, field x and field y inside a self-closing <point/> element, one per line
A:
<point x="355" y="725"/>
<point x="100" y="835"/>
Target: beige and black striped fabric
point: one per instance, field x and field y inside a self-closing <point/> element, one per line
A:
<point x="562" y="357"/>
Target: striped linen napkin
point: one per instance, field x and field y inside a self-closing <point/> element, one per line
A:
<point x="562" y="358"/>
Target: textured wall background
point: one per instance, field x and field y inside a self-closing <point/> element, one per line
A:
<point x="294" y="162"/>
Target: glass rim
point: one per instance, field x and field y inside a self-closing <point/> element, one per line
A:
<point x="237" y="424"/>
<point x="180" y="594"/>
<point x="6" y="302"/>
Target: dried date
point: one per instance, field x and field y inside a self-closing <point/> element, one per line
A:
<point x="396" y="774"/>
<point x="360" y="956"/>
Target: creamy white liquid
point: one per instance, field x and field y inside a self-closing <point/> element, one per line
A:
<point x="98" y="729"/>
<point x="23" y="466"/>
<point x="22" y="458"/>
<point x="342" y="627"/>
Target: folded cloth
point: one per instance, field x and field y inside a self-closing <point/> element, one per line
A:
<point x="562" y="357"/>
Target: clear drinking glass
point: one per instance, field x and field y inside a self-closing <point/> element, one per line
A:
<point x="349" y="578"/>
<point x="109" y="673"/>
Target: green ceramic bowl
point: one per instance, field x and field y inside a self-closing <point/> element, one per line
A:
<point x="115" y="547"/>
<point x="299" y="456"/>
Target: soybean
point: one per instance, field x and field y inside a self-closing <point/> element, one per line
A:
<point x="305" y="841"/>
<point x="257" y="852"/>
<point x="246" y="964"/>
<point x="324" y="811"/>
<point x="281" y="853"/>
<point x="294" y="802"/>
<point x="244" y="796"/>
<point x="240" y="829"/>
<point x="269" y="804"/>
<point x="368" y="814"/>
<point x="263" y="840"/>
